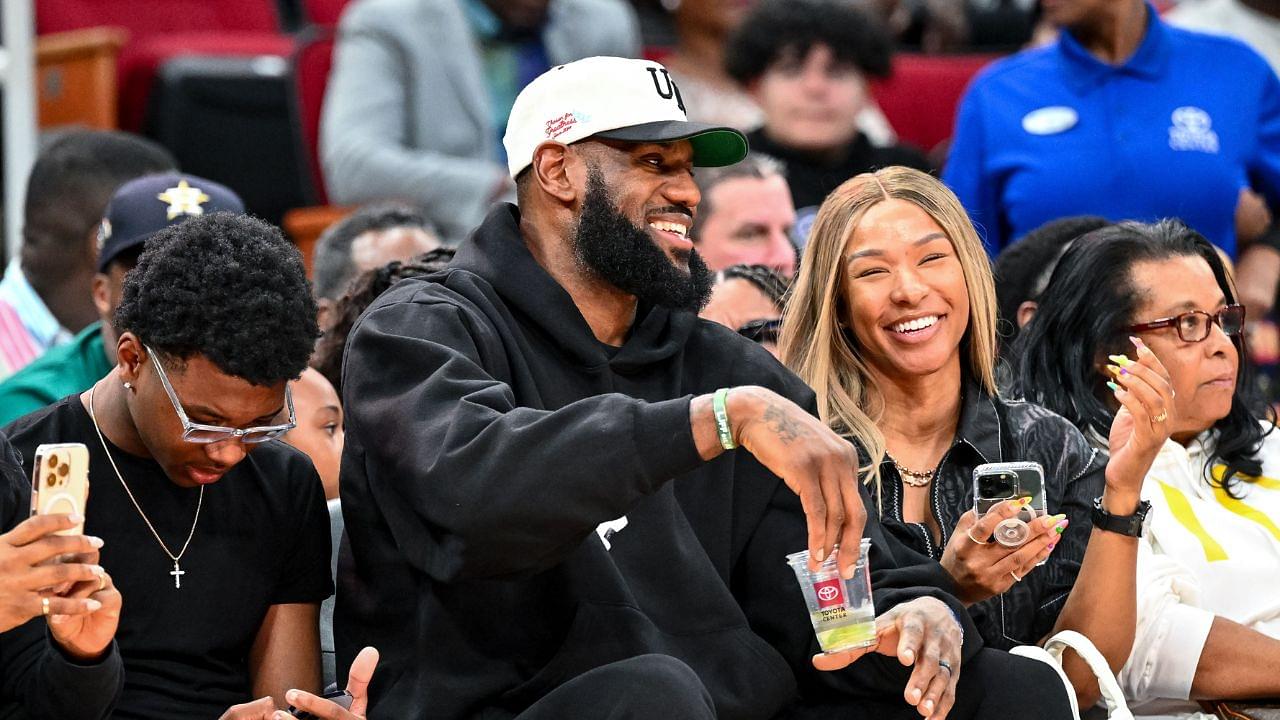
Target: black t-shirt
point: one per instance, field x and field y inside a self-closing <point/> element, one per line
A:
<point x="262" y="539"/>
<point x="811" y="179"/>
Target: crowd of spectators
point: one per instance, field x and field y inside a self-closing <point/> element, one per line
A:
<point x="628" y="301"/>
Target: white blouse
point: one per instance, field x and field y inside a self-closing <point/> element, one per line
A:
<point x="1204" y="553"/>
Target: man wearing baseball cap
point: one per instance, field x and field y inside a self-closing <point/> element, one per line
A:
<point x="137" y="210"/>
<point x="546" y="514"/>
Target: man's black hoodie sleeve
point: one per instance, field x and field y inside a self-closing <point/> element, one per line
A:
<point x="505" y="490"/>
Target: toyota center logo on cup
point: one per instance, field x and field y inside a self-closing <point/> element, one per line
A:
<point x="828" y="592"/>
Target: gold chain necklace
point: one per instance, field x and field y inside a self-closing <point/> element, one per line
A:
<point x="914" y="478"/>
<point x="177" y="571"/>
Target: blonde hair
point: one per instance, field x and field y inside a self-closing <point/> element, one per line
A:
<point x="814" y="342"/>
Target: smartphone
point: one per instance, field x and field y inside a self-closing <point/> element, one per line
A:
<point x="341" y="698"/>
<point x="60" y="481"/>
<point x="994" y="483"/>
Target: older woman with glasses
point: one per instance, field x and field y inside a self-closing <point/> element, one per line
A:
<point x="892" y="322"/>
<point x="215" y="534"/>
<point x="1209" y="562"/>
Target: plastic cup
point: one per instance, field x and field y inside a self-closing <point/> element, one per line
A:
<point x="841" y="611"/>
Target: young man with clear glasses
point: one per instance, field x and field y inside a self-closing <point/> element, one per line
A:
<point x="216" y="536"/>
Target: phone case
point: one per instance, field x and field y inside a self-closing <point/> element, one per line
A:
<point x="994" y="483"/>
<point x="60" y="481"/>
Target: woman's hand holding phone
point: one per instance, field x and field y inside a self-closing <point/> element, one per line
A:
<point x="983" y="568"/>
<point x="29" y="569"/>
<point x="86" y="636"/>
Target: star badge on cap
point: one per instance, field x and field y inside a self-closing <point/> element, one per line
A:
<point x="104" y="233"/>
<point x="183" y="200"/>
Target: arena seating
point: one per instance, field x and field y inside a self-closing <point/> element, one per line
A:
<point x="164" y="29"/>
<point x="921" y="97"/>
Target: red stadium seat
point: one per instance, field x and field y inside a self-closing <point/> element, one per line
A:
<point x="921" y="97"/>
<point x="158" y="17"/>
<point x="162" y="29"/>
<point x="310" y="72"/>
<point x="324" y="12"/>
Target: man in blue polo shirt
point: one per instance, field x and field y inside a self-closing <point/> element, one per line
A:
<point x="1124" y="117"/>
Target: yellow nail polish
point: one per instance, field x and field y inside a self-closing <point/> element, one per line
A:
<point x="1120" y="360"/>
<point x="1115" y="370"/>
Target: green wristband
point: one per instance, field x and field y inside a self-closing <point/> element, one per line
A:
<point x="722" y="419"/>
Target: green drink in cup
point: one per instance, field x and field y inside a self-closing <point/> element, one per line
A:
<point x="841" y="611"/>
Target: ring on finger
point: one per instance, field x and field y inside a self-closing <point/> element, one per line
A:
<point x="1016" y="577"/>
<point x="1164" y="415"/>
<point x="945" y="666"/>
<point x="44" y="606"/>
<point x="976" y="541"/>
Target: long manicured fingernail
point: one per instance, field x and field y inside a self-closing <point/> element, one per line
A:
<point x="1062" y="526"/>
<point x="1114" y="387"/>
<point x="1052" y="520"/>
<point x="1142" y="347"/>
<point x="1051" y="547"/>
<point x="96" y="542"/>
<point x="1120" y="360"/>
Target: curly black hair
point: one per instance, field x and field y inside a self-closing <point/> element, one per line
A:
<point x="780" y="28"/>
<point x="1084" y="316"/>
<point x="228" y="287"/>
<point x="363" y="290"/>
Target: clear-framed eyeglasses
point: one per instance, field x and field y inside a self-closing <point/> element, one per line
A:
<point x="208" y="434"/>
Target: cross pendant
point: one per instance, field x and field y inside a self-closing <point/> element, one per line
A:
<point x="177" y="574"/>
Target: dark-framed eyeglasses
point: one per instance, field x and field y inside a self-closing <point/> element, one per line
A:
<point x="1194" y="326"/>
<point x="208" y="434"/>
<point x="761" y="331"/>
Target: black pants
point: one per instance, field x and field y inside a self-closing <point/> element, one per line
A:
<point x="994" y="685"/>
<point x="646" y="687"/>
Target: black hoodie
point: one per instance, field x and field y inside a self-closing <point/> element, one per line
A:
<point x="489" y="434"/>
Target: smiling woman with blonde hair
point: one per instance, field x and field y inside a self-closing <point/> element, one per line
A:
<point x="892" y="322"/>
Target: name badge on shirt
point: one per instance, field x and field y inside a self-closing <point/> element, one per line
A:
<point x="1050" y="120"/>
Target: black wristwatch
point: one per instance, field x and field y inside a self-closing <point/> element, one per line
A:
<point x="1130" y="525"/>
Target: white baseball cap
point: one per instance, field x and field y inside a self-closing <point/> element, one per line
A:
<point x="616" y="99"/>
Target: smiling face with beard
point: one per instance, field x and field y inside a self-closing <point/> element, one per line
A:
<point x="614" y="249"/>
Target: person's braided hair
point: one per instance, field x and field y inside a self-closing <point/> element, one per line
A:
<point x="765" y="278"/>
<point x="361" y="293"/>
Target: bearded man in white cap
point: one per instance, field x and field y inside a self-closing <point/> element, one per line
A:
<point x="568" y="497"/>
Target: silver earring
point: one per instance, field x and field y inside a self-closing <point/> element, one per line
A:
<point x="128" y="386"/>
